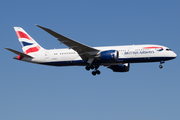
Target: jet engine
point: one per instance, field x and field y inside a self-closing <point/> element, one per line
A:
<point x="109" y="55"/>
<point x="120" y="68"/>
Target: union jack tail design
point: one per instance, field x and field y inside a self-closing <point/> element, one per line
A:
<point x="29" y="45"/>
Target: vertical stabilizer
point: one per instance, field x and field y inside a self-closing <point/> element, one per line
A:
<point x="29" y="45"/>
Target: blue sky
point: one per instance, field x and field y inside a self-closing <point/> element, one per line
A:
<point x="30" y="91"/>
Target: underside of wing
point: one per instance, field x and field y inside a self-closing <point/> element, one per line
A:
<point x="84" y="51"/>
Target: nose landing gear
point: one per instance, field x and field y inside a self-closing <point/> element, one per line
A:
<point x="161" y="62"/>
<point x="160" y="66"/>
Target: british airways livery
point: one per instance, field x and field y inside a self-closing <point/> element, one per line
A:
<point x="117" y="58"/>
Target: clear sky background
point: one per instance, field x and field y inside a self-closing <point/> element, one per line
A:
<point x="36" y="92"/>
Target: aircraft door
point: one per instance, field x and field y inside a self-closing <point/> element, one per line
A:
<point x="46" y="56"/>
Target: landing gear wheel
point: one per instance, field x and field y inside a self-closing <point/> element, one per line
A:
<point x="92" y="67"/>
<point x="88" y="68"/>
<point x="94" y="73"/>
<point x="160" y="66"/>
<point x="98" y="72"/>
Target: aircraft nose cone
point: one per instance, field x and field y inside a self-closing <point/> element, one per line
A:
<point x="174" y="55"/>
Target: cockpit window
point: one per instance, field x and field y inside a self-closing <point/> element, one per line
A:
<point x="168" y="50"/>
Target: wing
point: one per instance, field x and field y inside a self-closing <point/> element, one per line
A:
<point x="84" y="51"/>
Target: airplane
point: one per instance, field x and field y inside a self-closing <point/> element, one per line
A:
<point x="116" y="58"/>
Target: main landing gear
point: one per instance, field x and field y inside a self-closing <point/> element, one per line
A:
<point x="96" y="71"/>
<point x="161" y="62"/>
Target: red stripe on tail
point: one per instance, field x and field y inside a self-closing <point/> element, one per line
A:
<point x="33" y="49"/>
<point x="23" y="35"/>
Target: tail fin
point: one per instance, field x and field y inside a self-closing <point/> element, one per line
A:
<point x="29" y="45"/>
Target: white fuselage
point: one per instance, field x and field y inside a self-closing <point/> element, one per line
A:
<point x="127" y="54"/>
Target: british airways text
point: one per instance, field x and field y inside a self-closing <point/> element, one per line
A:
<point x="139" y="52"/>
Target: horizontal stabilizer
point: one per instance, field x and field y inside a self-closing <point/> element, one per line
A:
<point x="18" y="53"/>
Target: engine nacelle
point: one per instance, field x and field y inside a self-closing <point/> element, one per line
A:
<point x="109" y="55"/>
<point x="120" y="68"/>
